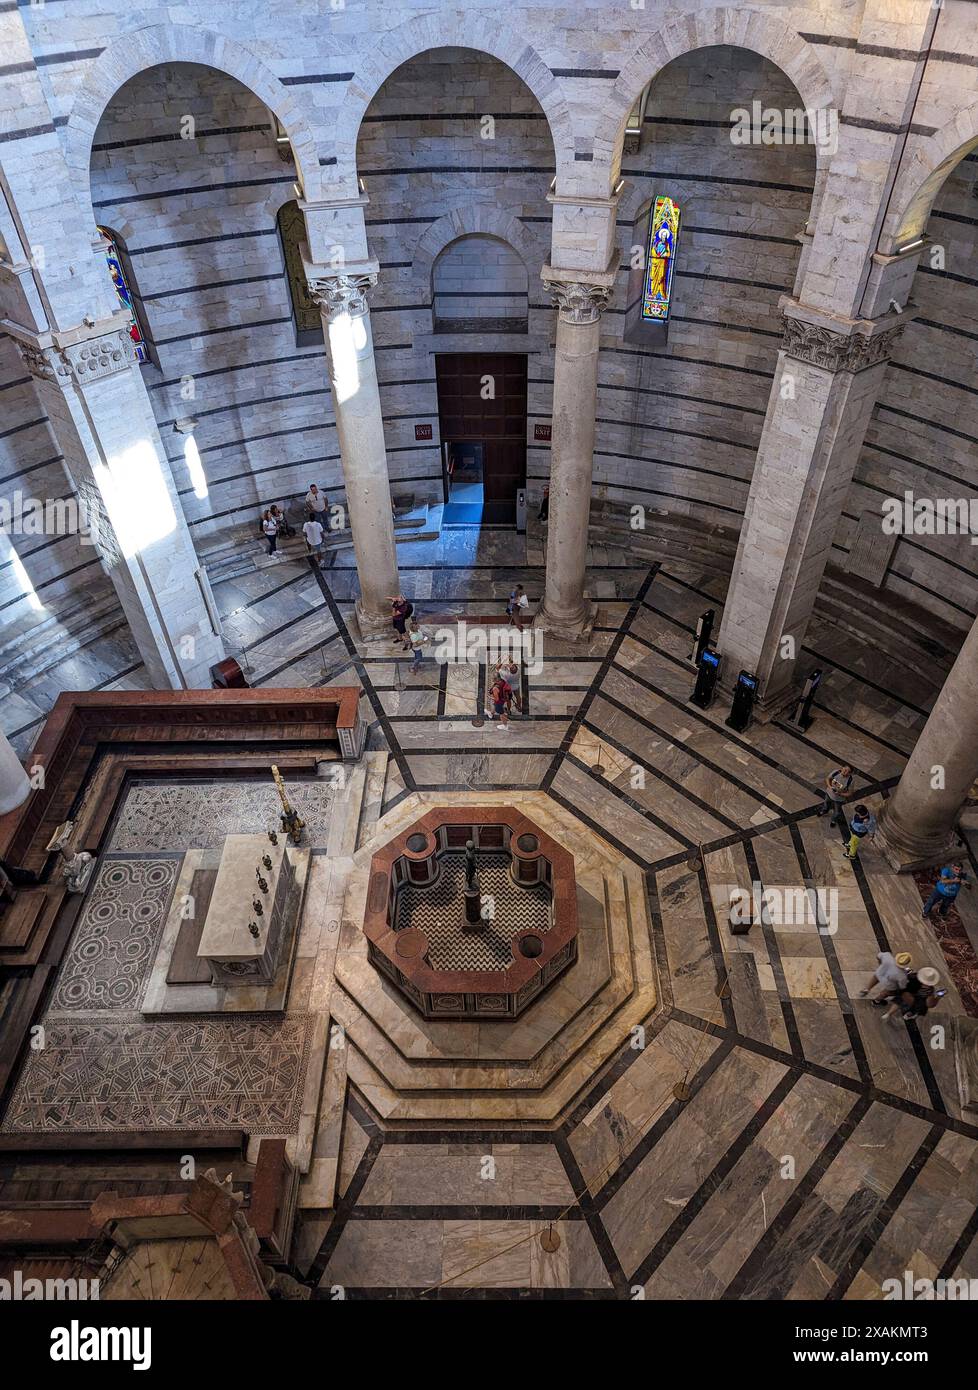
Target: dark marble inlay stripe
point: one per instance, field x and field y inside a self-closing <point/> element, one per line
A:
<point x="883" y="1216"/>
<point x="713" y="1179"/>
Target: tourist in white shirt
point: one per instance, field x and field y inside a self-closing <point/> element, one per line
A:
<point x="889" y="975"/>
<point x="313" y="532"/>
<point x="316" y="504"/>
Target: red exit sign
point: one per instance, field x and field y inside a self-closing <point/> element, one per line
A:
<point x="422" y="432"/>
<point x="542" y="431"/>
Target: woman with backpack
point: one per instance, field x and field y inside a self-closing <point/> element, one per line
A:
<point x="401" y="610"/>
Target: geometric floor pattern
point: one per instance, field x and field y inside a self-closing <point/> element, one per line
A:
<point x="164" y="816"/>
<point x="820" y="1151"/>
<point x="101" y="1066"/>
<point x="124" y="1074"/>
<point x="115" y="940"/>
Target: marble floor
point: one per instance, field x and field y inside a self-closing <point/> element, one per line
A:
<point x="814" y="1150"/>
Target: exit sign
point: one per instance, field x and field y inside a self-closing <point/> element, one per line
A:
<point x="542" y="431"/>
<point x="422" y="432"/>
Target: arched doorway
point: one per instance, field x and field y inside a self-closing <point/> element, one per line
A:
<point x="456" y="157"/>
<point x="479" y="288"/>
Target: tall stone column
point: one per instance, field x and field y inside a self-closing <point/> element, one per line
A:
<point x="916" y="824"/>
<point x="15" y="785"/>
<point x="565" y="612"/>
<point x="828" y="376"/>
<point x="87" y="381"/>
<point x="342" y="297"/>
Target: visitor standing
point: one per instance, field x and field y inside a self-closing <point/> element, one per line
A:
<point x="313" y="532"/>
<point x="509" y="672"/>
<point x="500" y="695"/>
<point x="863" y="823"/>
<point x="517" y="606"/>
<point x="950" y="881"/>
<point x="401" y="610"/>
<point x="544" y="513"/>
<point x="270" y="528"/>
<point x="316" y="504"/>
<point x="417" y="637"/>
<point x="837" y="786"/>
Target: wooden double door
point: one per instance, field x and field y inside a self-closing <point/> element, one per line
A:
<point x="482" y="400"/>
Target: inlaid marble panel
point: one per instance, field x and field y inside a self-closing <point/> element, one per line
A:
<point x="164" y="816"/>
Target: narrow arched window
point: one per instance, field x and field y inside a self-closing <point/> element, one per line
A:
<point x="121" y="271"/>
<point x="305" y="311"/>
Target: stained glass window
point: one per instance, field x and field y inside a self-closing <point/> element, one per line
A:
<point x="660" y="260"/>
<point x="113" y="258"/>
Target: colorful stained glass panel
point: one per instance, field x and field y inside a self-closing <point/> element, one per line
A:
<point x="660" y="259"/>
<point x="114" y="262"/>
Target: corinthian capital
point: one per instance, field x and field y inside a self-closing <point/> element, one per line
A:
<point x="837" y="352"/>
<point x="578" y="301"/>
<point x="342" y="294"/>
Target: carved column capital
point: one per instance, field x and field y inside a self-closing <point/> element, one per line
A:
<point x="838" y="351"/>
<point x="44" y="364"/>
<point x="79" y="363"/>
<point x="578" y="301"/>
<point x="342" y="293"/>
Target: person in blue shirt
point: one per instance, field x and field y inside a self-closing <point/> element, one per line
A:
<point x="863" y="823"/>
<point x="946" y="889"/>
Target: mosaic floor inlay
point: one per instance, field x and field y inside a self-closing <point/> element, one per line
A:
<point x="438" y="912"/>
<point x="200" y="815"/>
<point x="124" y="1074"/>
<point x="116" y="939"/>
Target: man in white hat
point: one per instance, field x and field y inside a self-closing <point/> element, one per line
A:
<point x="920" y="995"/>
<point x="889" y="976"/>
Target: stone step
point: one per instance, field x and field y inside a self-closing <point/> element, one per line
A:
<point x="370" y="810"/>
<point x="502" y="1108"/>
<point x="347" y="809"/>
<point x="40" y="641"/>
<point x="537" y="1089"/>
<point x="239" y="550"/>
<point x="902" y="630"/>
<point x="317" y="1189"/>
<point x="663" y="543"/>
<point x="416" y="1040"/>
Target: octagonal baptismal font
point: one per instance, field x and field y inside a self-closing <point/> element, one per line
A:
<point x="472" y="912"/>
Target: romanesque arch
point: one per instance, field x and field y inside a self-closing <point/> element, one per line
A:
<point x="737" y="28"/>
<point x="473" y="220"/>
<point x="180" y="43"/>
<point x="930" y="163"/>
<point x="455" y="29"/>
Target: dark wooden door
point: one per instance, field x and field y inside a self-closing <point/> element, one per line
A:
<point x="482" y="397"/>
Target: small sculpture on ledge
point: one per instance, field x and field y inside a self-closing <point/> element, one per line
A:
<point x="273" y="837"/>
<point x="292" y="823"/>
<point x="77" y="870"/>
<point x="266" y="859"/>
<point x="77" y="866"/>
<point x="253" y="928"/>
<point x="259" y="911"/>
<point x="262" y="882"/>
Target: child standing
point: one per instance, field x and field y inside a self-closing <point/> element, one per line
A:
<point x="863" y="823"/>
<point x="417" y="637"/>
